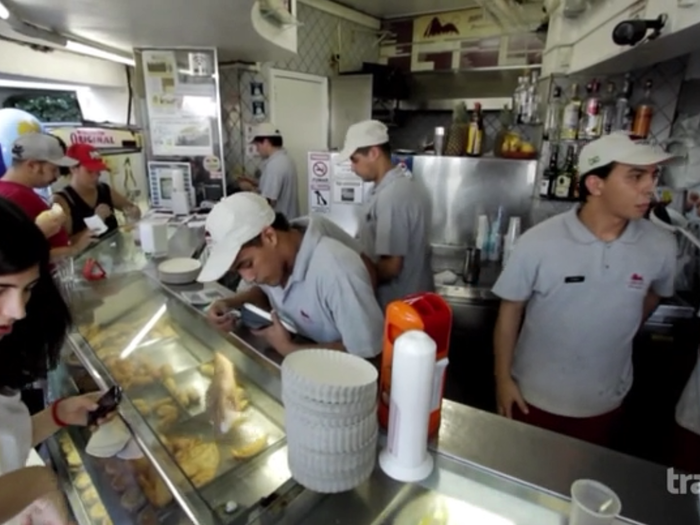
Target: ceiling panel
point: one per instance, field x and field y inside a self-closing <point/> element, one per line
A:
<point x="125" y="24"/>
<point x="398" y="8"/>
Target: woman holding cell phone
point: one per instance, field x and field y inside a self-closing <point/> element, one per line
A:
<point x="34" y="320"/>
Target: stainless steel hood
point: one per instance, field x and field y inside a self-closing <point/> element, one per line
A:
<point x="441" y="91"/>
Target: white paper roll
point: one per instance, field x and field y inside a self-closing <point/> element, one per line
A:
<point x="406" y="456"/>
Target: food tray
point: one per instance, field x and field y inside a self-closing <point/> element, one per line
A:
<point x="193" y="379"/>
<point x="167" y="352"/>
<point x="201" y="427"/>
<point x="153" y="395"/>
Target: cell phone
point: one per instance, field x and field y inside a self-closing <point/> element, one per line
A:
<point x="255" y="318"/>
<point x="107" y="404"/>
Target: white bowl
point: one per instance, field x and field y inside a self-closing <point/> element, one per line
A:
<point x="109" y="439"/>
<point x="130" y="451"/>
<point x="180" y="270"/>
<point x="329" y="376"/>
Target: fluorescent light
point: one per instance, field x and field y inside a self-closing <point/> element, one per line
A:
<point x="136" y="341"/>
<point x="83" y="49"/>
<point x="22" y="84"/>
<point x="4" y="13"/>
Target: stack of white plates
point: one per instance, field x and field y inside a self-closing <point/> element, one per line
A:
<point x="330" y="401"/>
<point x="180" y="270"/>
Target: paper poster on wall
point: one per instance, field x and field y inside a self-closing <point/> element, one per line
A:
<point x="344" y="171"/>
<point x="319" y="196"/>
<point x="320" y="201"/>
<point x="160" y="72"/>
<point x="348" y="192"/>
<point x="181" y="137"/>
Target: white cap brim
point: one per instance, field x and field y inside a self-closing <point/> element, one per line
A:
<point x="221" y="257"/>
<point x="64" y="162"/>
<point x="646" y="157"/>
<point x="345" y="154"/>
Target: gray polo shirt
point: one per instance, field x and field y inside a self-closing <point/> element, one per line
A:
<point x="319" y="224"/>
<point x="329" y="296"/>
<point x="584" y="306"/>
<point x="397" y="222"/>
<point x="279" y="183"/>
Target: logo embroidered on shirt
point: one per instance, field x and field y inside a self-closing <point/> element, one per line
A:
<point x="636" y="281"/>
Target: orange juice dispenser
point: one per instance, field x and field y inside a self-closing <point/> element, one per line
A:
<point x="427" y="312"/>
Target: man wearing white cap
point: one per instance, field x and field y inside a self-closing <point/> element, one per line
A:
<point x="586" y="281"/>
<point x="278" y="182"/>
<point x="315" y="282"/>
<point x="397" y="219"/>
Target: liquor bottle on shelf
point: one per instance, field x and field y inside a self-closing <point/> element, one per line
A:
<point x="572" y="116"/>
<point x="641" y="126"/>
<point x="566" y="179"/>
<point x="475" y="133"/>
<point x="608" y="108"/>
<point x="552" y="125"/>
<point x="624" y="114"/>
<point x="592" y="117"/>
<point x="531" y="100"/>
<point x="519" y="100"/>
<point x="549" y="176"/>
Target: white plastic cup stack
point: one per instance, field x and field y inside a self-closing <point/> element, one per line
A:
<point x="330" y="401"/>
<point x="593" y="503"/>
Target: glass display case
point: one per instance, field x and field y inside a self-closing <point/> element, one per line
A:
<point x="131" y="331"/>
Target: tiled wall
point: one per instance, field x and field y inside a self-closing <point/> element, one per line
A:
<point x="326" y="45"/>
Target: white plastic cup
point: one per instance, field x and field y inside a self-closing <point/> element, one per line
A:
<point x="593" y="503"/>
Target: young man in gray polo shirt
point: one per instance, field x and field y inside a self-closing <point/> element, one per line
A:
<point x="585" y="280"/>
<point x="397" y="220"/>
<point x="278" y="182"/>
<point x="316" y="282"/>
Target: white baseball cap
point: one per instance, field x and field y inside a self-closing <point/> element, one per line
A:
<point x="266" y="129"/>
<point x="232" y="222"/>
<point x="361" y="135"/>
<point x="619" y="147"/>
<point x="41" y="147"/>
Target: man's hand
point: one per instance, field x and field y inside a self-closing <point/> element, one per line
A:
<point x="507" y="393"/>
<point x="103" y="211"/>
<point x="82" y="241"/>
<point x="276" y="336"/>
<point x="219" y="314"/>
<point x="246" y="185"/>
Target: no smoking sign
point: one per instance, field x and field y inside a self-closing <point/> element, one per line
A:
<point x="319" y="169"/>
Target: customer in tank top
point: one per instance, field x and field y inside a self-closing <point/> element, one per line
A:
<point x="85" y="196"/>
<point x="33" y="322"/>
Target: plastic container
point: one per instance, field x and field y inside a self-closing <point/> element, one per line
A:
<point x="427" y="312"/>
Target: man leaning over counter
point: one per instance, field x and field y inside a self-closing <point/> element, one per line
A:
<point x="397" y="220"/>
<point x="586" y="281"/>
<point x="310" y="279"/>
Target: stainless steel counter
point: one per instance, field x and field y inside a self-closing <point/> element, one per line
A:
<point x="529" y="463"/>
<point x="486" y="465"/>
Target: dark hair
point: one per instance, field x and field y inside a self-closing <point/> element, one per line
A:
<point x="275" y="142"/>
<point x="34" y="345"/>
<point x="602" y="172"/>
<point x="280" y="224"/>
<point x="384" y="148"/>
